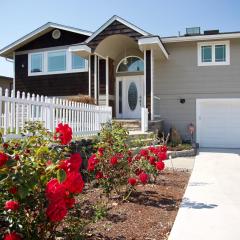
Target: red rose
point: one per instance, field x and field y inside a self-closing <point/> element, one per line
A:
<point x="129" y="159"/>
<point x="11" y="205"/>
<point x="3" y="158"/>
<point x="160" y="165"/>
<point x="92" y="162"/>
<point x="143" y="177"/>
<point x="12" y="236"/>
<point x="64" y="133"/>
<point x="12" y="190"/>
<point x="162" y="156"/>
<point x="129" y="153"/>
<point x="100" y="151"/>
<point x="70" y="202"/>
<point x="17" y="157"/>
<point x="113" y="160"/>
<point x="74" y="182"/>
<point x="143" y="152"/>
<point x="152" y="160"/>
<point x="63" y="164"/>
<point x="48" y="163"/>
<point x="5" y="145"/>
<point x="99" y="175"/>
<point x="74" y="162"/>
<point x="56" y="211"/>
<point x="132" y="181"/>
<point x="163" y="148"/>
<point x="55" y="191"/>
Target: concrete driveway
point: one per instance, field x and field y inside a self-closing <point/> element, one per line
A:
<point x="211" y="206"/>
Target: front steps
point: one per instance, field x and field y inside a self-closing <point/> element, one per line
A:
<point x="130" y="124"/>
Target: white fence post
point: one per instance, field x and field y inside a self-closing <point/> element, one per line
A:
<point x="144" y="119"/>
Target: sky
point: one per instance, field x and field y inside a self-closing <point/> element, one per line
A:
<point x="162" y="17"/>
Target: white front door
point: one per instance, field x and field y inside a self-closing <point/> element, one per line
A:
<point x="129" y="92"/>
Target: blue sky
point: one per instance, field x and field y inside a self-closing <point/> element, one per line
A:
<point x="163" y="17"/>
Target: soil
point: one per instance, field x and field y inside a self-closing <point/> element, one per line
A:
<point x="148" y="214"/>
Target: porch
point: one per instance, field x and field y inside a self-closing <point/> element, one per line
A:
<point x="121" y="65"/>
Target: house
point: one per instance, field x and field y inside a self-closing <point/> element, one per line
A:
<point x="194" y="78"/>
<point x="6" y="83"/>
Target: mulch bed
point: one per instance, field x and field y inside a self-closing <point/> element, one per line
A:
<point x="148" y="214"/>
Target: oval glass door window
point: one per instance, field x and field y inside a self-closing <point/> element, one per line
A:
<point x="132" y="96"/>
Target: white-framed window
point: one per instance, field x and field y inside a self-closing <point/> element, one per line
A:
<point x="55" y="62"/>
<point x="36" y="63"/>
<point x="214" y="53"/>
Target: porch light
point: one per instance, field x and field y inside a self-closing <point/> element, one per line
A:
<point x="125" y="61"/>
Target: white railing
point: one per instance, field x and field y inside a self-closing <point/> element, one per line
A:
<point x="85" y="119"/>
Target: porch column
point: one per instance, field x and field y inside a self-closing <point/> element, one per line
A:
<point x="107" y="82"/>
<point x="145" y="80"/>
<point x="89" y="76"/>
<point x="95" y="77"/>
<point x="152" y="86"/>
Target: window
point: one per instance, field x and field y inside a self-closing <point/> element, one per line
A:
<point x="77" y="62"/>
<point x="36" y="63"/>
<point x="57" y="61"/>
<point x="214" y="53"/>
<point x="131" y="64"/>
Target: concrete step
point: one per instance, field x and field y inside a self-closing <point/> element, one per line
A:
<point x="130" y="124"/>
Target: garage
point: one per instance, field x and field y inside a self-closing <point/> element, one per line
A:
<point x="218" y="123"/>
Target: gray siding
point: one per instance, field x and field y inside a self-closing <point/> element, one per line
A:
<point x="181" y="77"/>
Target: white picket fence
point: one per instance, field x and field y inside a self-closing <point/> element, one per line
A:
<point x="85" y="119"/>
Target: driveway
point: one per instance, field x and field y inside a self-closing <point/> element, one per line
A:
<point x="211" y="206"/>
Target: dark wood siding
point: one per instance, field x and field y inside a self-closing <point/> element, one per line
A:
<point x="92" y="76"/>
<point x="148" y="81"/>
<point x="46" y="40"/>
<point x="114" y="28"/>
<point x="102" y="76"/>
<point x="49" y="85"/>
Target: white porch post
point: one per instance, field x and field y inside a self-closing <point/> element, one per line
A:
<point x="152" y="86"/>
<point x="107" y="81"/>
<point x="89" y="75"/>
<point x="145" y="79"/>
<point x="95" y="77"/>
<point x="14" y="80"/>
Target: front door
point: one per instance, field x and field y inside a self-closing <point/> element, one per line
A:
<point x="129" y="94"/>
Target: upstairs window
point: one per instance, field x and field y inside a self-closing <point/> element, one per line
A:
<point x="131" y="64"/>
<point x="36" y="63"/>
<point x="57" y="61"/>
<point x="214" y="53"/>
<point x="77" y="62"/>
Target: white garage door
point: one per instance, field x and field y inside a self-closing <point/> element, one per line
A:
<point x="218" y="123"/>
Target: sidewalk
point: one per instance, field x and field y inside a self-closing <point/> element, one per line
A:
<point x="211" y="206"/>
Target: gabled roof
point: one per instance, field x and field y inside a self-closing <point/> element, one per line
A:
<point x="121" y="20"/>
<point x="38" y="32"/>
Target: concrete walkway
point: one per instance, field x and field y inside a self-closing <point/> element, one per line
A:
<point x="211" y="206"/>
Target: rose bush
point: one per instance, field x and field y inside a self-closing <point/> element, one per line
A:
<point x="39" y="180"/>
<point x="118" y="169"/>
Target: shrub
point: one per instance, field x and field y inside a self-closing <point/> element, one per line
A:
<point x="39" y="179"/>
<point x="116" y="168"/>
<point x="82" y="99"/>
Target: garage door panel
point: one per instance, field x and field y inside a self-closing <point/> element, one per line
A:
<point x="218" y="123"/>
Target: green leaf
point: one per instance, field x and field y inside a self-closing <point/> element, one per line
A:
<point x="61" y="175"/>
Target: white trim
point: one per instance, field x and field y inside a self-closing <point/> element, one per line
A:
<point x="89" y="76"/>
<point x="43" y="28"/>
<point x="144" y="83"/>
<point x="107" y="81"/>
<point x="123" y="60"/>
<point x="81" y="47"/>
<point x="95" y="77"/>
<point x="153" y="40"/>
<point x="213" y="44"/>
<point x="152" y="87"/>
<point x="14" y="81"/>
<point x="121" y="20"/>
<point x="45" y="71"/>
<point x="200" y="38"/>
